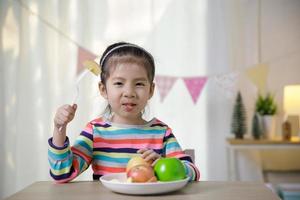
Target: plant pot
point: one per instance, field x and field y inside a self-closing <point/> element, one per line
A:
<point x="268" y="126"/>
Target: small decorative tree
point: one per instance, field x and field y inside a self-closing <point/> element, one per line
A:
<point x="238" y="124"/>
<point x="256" y="128"/>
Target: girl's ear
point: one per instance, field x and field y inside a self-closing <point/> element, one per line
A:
<point x="152" y="87"/>
<point x="102" y="90"/>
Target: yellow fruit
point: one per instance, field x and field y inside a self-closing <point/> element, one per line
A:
<point x="134" y="161"/>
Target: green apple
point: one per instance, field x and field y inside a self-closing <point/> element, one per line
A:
<point x="169" y="169"/>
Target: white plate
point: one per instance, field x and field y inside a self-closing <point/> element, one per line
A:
<point x="117" y="183"/>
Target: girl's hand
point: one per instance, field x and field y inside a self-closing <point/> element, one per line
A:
<point x="64" y="115"/>
<point x="149" y="155"/>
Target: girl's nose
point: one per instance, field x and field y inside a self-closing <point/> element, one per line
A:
<point x="129" y="92"/>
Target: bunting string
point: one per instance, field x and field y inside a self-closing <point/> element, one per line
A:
<point x="226" y="82"/>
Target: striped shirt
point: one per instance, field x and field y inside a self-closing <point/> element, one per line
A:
<point x="108" y="147"/>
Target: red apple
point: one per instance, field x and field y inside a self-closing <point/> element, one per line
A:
<point x="141" y="174"/>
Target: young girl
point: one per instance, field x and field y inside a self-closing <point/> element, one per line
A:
<point x="108" y="142"/>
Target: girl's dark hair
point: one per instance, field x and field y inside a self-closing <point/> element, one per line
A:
<point x="132" y="53"/>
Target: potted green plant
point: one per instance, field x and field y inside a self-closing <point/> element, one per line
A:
<point x="266" y="107"/>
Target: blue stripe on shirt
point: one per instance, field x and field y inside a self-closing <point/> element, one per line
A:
<point x="111" y="159"/>
<point x="129" y="132"/>
<point x="61" y="156"/>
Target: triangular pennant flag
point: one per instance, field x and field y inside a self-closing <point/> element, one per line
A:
<point x="164" y="85"/>
<point x="195" y="86"/>
<point x="83" y="55"/>
<point x="228" y="83"/>
<point x="258" y="75"/>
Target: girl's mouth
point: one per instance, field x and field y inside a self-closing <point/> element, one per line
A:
<point x="128" y="106"/>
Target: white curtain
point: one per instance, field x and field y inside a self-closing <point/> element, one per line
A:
<point x="39" y="44"/>
<point x="38" y="49"/>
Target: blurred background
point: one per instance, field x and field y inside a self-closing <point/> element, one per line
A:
<point x="205" y="52"/>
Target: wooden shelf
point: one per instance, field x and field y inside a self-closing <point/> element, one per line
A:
<point x="249" y="144"/>
<point x="249" y="141"/>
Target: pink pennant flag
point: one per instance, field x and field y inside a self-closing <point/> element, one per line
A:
<point x="83" y="55"/>
<point x="195" y="86"/>
<point x="164" y="85"/>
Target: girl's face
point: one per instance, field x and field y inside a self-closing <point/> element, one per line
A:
<point x="127" y="91"/>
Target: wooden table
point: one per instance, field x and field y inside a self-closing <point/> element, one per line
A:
<point x="87" y="190"/>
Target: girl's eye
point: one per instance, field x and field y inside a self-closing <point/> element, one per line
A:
<point x="140" y="84"/>
<point x="118" y="83"/>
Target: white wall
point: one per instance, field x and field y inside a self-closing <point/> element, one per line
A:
<point x="280" y="50"/>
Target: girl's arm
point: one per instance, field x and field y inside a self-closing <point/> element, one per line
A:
<point x="67" y="162"/>
<point x="173" y="149"/>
